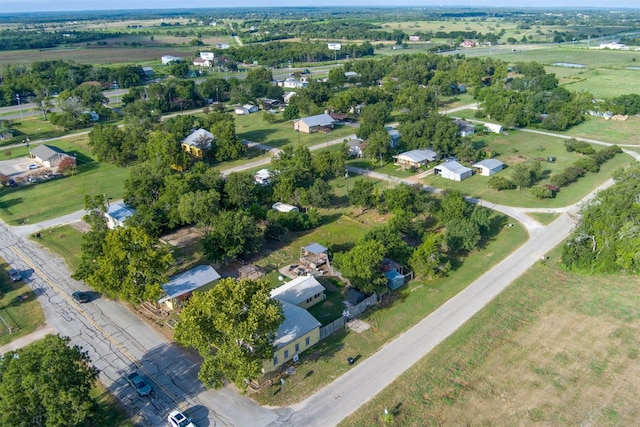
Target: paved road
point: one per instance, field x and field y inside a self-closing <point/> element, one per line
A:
<point x="118" y="342"/>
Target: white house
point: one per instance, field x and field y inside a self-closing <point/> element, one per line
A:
<point x="201" y="62"/>
<point x="48" y="155"/>
<point x="262" y="177"/>
<point x="287" y="97"/>
<point x="117" y="214"/>
<point x="181" y="286"/>
<point x="314" y="123"/>
<point x="453" y="170"/>
<point x="488" y="167"/>
<point x="284" y="207"/>
<point x="168" y="59"/>
<point x="464" y="128"/>
<point x="246" y="109"/>
<point x="493" y="127"/>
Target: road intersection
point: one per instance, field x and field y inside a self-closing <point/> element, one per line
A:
<point x="118" y="342"/>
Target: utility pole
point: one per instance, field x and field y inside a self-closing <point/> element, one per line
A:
<point x="19" y="107"/>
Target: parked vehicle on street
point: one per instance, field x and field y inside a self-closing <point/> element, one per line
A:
<point x="178" y="419"/>
<point x="81" y="297"/>
<point x="15" y="275"/>
<point x="139" y="384"/>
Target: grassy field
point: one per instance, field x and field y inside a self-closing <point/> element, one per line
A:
<point x="252" y="128"/>
<point x="110" y="412"/>
<point x="22" y="316"/>
<point x="51" y="199"/>
<point x="325" y="361"/>
<point x="553" y="349"/>
<point x="34" y="128"/>
<point x="63" y="241"/>
<point x="615" y="132"/>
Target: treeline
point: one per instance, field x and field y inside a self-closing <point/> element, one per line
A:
<point x="607" y="239"/>
<point x="276" y="53"/>
<point x="18" y="40"/>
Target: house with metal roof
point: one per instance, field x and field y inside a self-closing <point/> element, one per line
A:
<point x="198" y="142"/>
<point x="464" y="128"/>
<point x="320" y="122"/>
<point x="488" y="167"/>
<point x="48" y="155"/>
<point x="453" y="170"/>
<point x="303" y="291"/>
<point x="299" y="331"/>
<point x="117" y="214"/>
<point x="182" y="285"/>
<point x="415" y="158"/>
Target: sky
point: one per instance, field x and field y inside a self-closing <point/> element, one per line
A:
<point x="10" y="6"/>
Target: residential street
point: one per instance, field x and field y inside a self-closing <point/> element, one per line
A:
<point x="118" y="342"/>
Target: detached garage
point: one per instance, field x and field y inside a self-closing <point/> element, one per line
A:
<point x="453" y="170"/>
<point x="488" y="167"/>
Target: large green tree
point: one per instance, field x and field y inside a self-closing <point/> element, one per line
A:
<point x="92" y="241"/>
<point x="233" y="233"/>
<point x="47" y="383"/>
<point x="133" y="266"/>
<point x="232" y="326"/>
<point x="362" y="265"/>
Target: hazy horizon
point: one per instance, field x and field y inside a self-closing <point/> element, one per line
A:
<point x="14" y="6"/>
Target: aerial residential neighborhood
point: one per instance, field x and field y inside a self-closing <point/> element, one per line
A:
<point x="318" y="216"/>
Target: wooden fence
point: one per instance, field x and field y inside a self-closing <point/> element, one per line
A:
<point x="354" y="310"/>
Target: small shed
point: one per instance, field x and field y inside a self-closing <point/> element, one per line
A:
<point x="181" y="286"/>
<point x="488" y="167"/>
<point x="117" y="214"/>
<point x="453" y="170"/>
<point x="284" y="207"/>
<point x="394" y="272"/>
<point x="493" y="127"/>
<point x="246" y="109"/>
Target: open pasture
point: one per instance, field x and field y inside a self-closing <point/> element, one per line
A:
<point x="554" y="348"/>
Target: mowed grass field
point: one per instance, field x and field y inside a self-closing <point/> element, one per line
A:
<point x="555" y="348"/>
<point x="51" y="199"/>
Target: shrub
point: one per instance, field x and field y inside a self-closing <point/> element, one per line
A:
<point x="500" y="183"/>
<point x="588" y="164"/>
<point x="541" y="192"/>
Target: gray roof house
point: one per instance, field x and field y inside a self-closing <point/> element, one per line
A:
<point x="117" y="214"/>
<point x="313" y="123"/>
<point x="303" y="291"/>
<point x="48" y="155"/>
<point x="453" y="170"/>
<point x="464" y="128"/>
<point x="415" y="158"/>
<point x="182" y="285"/>
<point x="488" y="167"/>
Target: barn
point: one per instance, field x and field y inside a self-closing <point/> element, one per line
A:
<point x="453" y="170"/>
<point x="488" y="167"/>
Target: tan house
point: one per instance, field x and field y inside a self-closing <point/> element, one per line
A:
<point x="303" y="291"/>
<point x="299" y="331"/>
<point x="48" y="155"/>
<point x="198" y="142"/>
<point x="415" y="158"/>
<point x="321" y="122"/>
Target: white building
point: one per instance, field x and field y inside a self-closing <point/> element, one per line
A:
<point x="453" y="170"/>
<point x="488" y="167"/>
<point x="168" y="59"/>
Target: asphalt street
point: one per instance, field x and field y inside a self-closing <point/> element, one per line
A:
<point x="118" y="342"/>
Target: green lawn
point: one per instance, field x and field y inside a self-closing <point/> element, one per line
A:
<point x="33" y="203"/>
<point x="519" y="147"/>
<point x="325" y="361"/>
<point x="63" y="241"/>
<point x="612" y="131"/>
<point x="253" y="128"/>
<point x="23" y="317"/>
<point x="34" y="128"/>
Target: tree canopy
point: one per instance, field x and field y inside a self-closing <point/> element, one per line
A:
<point x="47" y="383"/>
<point x="232" y="326"/>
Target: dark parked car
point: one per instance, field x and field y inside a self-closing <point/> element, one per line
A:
<point x="138" y="383"/>
<point x="81" y="297"/>
<point x="15" y="275"/>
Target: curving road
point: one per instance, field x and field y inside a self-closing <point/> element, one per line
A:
<point x="118" y="342"/>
